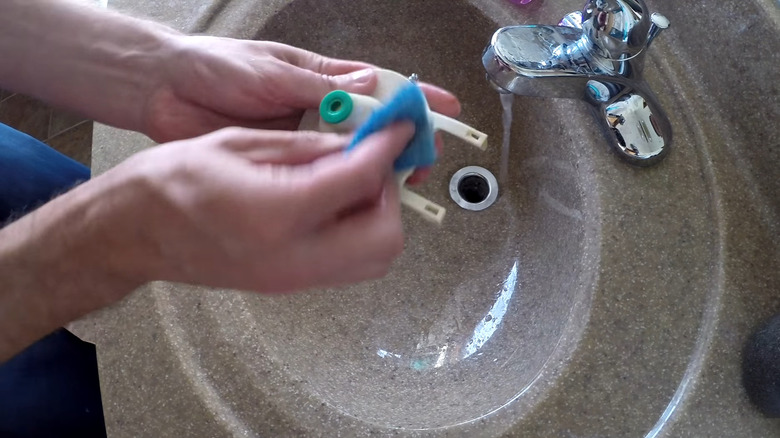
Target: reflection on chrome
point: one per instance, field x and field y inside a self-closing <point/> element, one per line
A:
<point x="489" y="324"/>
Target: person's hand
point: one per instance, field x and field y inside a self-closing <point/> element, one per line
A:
<point x="269" y="211"/>
<point x="150" y="78"/>
<point x="211" y="83"/>
<point x="264" y="211"/>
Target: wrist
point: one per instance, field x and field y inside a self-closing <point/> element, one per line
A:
<point x="129" y="68"/>
<point x="114" y="217"/>
<point x="98" y="63"/>
<point x="73" y="255"/>
<point x="95" y="238"/>
<point x="74" y="244"/>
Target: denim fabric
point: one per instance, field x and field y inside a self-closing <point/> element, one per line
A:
<point x="51" y="389"/>
<point x="31" y="173"/>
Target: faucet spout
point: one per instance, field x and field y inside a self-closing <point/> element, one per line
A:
<point x="597" y="55"/>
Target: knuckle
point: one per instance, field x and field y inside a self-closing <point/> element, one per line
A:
<point x="329" y="81"/>
<point x="232" y="132"/>
<point x="307" y="138"/>
<point x="227" y="137"/>
<point x="235" y="138"/>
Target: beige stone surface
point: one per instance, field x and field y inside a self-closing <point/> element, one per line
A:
<point x="593" y="300"/>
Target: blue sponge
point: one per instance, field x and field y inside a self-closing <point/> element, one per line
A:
<point x="408" y="104"/>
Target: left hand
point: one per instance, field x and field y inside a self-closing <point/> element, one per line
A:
<point x="212" y="82"/>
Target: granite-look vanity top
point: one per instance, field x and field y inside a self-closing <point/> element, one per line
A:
<point x="594" y="299"/>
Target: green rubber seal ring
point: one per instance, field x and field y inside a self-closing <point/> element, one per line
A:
<point x="336" y="107"/>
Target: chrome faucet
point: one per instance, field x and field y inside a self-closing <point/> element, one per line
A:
<point x="596" y="55"/>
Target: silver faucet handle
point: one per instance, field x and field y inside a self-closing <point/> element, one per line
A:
<point x="616" y="28"/>
<point x="659" y="23"/>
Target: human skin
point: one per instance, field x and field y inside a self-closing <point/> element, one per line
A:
<point x="254" y="208"/>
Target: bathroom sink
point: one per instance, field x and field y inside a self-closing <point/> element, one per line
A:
<point x="592" y="299"/>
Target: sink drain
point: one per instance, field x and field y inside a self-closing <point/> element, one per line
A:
<point x="474" y="188"/>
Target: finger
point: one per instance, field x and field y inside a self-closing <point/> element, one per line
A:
<point x="305" y="88"/>
<point x="343" y="182"/>
<point x="421" y="174"/>
<point x="281" y="147"/>
<point x="290" y="123"/>
<point x="188" y="119"/>
<point x="313" y="75"/>
<point x="441" y="100"/>
<point x="362" y="245"/>
<point x="315" y="62"/>
<point x="287" y="123"/>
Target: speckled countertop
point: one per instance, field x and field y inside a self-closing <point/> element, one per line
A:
<point x="619" y="297"/>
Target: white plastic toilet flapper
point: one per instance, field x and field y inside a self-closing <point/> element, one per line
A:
<point x="352" y="110"/>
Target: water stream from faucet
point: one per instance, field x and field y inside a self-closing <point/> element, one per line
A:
<point x="507" y="99"/>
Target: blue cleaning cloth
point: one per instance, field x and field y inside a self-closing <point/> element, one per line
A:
<point x="408" y="104"/>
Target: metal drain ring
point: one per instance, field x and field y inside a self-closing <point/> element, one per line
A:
<point x="481" y="172"/>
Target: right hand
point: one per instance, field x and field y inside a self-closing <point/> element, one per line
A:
<point x="268" y="211"/>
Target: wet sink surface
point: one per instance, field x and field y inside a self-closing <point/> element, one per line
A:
<point x="474" y="309"/>
<point x="593" y="299"/>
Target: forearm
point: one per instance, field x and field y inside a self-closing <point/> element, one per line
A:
<point x="64" y="260"/>
<point x="96" y="62"/>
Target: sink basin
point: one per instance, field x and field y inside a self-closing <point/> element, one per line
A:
<point x="592" y="299"/>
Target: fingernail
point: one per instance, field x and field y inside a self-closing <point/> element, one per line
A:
<point x="361" y="76"/>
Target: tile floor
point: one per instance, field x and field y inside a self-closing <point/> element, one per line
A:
<point x="66" y="132"/>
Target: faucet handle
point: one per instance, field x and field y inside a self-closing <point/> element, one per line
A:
<point x="616" y="28"/>
<point x="659" y="23"/>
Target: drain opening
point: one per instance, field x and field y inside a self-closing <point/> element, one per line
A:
<point x="474" y="188"/>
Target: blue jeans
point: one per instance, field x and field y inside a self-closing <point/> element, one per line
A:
<point x="51" y="388"/>
<point x="31" y="173"/>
